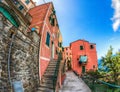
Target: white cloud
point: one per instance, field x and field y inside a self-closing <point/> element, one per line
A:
<point x="116" y="24"/>
<point x="116" y="16"/>
<point x="38" y="2"/>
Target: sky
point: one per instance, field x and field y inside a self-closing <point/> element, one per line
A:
<point x="97" y="21"/>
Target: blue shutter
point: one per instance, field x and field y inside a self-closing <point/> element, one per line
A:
<point x="48" y="39"/>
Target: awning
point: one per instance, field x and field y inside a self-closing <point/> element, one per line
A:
<point x="83" y="59"/>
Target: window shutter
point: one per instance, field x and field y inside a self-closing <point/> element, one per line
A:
<point x="48" y="39"/>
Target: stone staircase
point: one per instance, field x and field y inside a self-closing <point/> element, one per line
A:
<point x="46" y="84"/>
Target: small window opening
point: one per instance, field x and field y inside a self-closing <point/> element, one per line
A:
<point x="91" y="46"/>
<point x="81" y="48"/>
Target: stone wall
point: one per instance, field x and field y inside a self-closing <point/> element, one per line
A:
<point x="24" y="57"/>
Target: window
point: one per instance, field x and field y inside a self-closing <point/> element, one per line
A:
<point x="62" y="49"/>
<point x="15" y="2"/>
<point x="93" y="66"/>
<point x="21" y="7"/>
<point x="48" y="39"/>
<point x="53" y="12"/>
<point x="81" y="48"/>
<point x="91" y="46"/>
<point x="27" y="1"/>
<point x="52" y="20"/>
<point x="60" y="44"/>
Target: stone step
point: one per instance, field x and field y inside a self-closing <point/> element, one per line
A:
<point x="47" y="81"/>
<point x="53" y="63"/>
<point x="50" y="71"/>
<point x="40" y="89"/>
<point x="51" y="67"/>
<point x="49" y="74"/>
<point x="46" y="85"/>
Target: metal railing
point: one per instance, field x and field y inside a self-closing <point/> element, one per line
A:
<point x="100" y="86"/>
<point x="56" y="73"/>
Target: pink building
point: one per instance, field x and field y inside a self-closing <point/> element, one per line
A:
<point x="84" y="56"/>
<point x="45" y="21"/>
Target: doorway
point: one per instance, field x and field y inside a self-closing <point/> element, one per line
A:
<point x="83" y="69"/>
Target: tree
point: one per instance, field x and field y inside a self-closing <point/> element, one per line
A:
<point x="112" y="64"/>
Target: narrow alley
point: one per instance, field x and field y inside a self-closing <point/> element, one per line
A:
<point x="74" y="84"/>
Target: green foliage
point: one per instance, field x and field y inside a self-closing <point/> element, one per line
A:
<point x="94" y="73"/>
<point x="112" y="63"/>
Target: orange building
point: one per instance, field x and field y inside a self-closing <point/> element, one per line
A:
<point x="84" y="56"/>
<point x="45" y="22"/>
<point x="67" y="57"/>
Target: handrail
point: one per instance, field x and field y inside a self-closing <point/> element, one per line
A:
<point x="56" y="73"/>
<point x="112" y="85"/>
<point x="94" y="82"/>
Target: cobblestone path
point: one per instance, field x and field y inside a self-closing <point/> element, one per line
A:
<point x="74" y="84"/>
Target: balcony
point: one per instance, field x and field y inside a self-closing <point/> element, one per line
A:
<point x="83" y="59"/>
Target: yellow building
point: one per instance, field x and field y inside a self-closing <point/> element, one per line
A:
<point x="60" y="41"/>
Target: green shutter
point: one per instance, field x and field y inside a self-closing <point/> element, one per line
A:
<point x="48" y="39"/>
<point x="8" y="16"/>
<point x="52" y="20"/>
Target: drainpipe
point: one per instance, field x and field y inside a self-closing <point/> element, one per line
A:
<point x="9" y="58"/>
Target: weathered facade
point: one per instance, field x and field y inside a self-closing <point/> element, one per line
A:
<point x="84" y="56"/>
<point x="28" y="42"/>
<point x="19" y="50"/>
